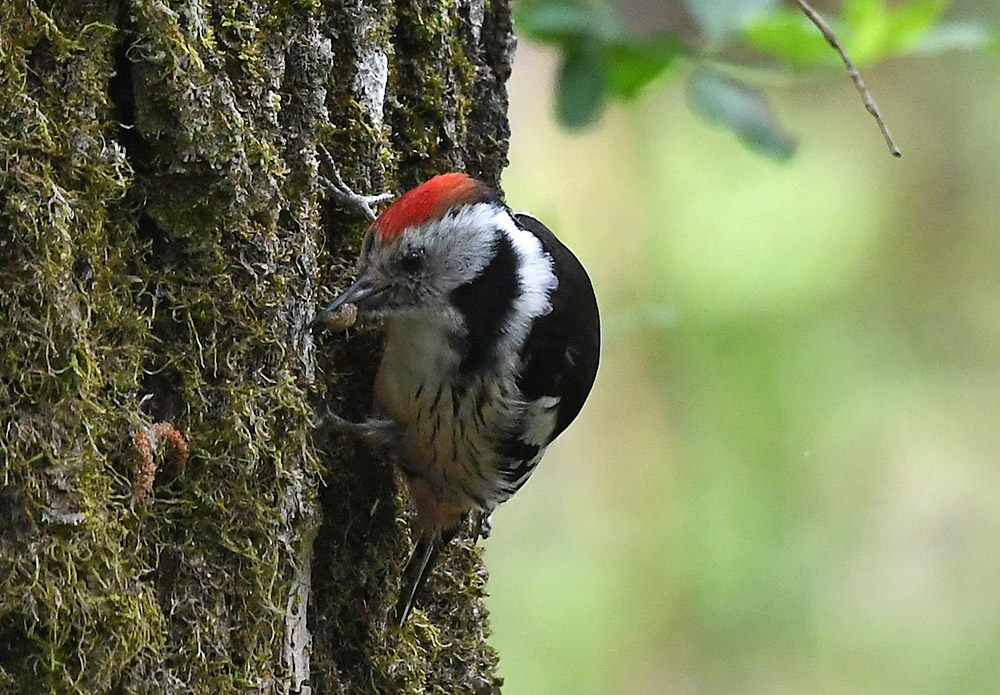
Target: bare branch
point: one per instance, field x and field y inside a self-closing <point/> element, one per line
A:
<point x="852" y="69"/>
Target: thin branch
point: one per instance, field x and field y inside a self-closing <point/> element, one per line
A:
<point x="852" y="69"/>
<point x="360" y="205"/>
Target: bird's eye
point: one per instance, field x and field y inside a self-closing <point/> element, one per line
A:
<point x="412" y="260"/>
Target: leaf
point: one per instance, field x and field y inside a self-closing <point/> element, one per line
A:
<point x="873" y="31"/>
<point x="908" y="24"/>
<point x="563" y="20"/>
<point x="742" y="109"/>
<point x="869" y="31"/>
<point x="631" y="65"/>
<point x="719" y="18"/>
<point x="862" y="19"/>
<point x="581" y="86"/>
<point x="787" y="34"/>
<point x="597" y="59"/>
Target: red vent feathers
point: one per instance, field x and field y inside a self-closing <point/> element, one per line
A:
<point x="428" y="201"/>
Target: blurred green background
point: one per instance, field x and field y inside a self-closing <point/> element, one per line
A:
<point x="785" y="480"/>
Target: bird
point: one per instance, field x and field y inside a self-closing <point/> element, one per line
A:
<point x="491" y="346"/>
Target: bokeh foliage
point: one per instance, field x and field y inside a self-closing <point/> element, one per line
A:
<point x="785" y="481"/>
<point x="601" y="61"/>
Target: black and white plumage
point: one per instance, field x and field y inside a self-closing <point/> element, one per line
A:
<point x="492" y="339"/>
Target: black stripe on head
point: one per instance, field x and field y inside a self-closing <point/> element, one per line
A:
<point x="486" y="303"/>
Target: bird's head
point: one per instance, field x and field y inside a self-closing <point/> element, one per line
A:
<point x="432" y="240"/>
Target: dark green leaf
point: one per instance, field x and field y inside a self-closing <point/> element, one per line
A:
<point x="632" y="65"/>
<point x="563" y="20"/>
<point x="582" y="84"/>
<point x="743" y="110"/>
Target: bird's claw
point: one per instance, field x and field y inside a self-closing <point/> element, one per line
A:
<point x="381" y="435"/>
<point x="482" y="523"/>
<point x="339" y="424"/>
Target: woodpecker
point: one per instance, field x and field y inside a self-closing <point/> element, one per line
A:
<point x="491" y="345"/>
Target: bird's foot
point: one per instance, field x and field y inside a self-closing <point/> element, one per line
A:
<point x="337" y="423"/>
<point x="381" y="435"/>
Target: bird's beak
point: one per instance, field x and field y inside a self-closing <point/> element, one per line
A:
<point x="360" y="294"/>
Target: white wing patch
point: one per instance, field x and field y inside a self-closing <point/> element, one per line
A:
<point x="541" y="420"/>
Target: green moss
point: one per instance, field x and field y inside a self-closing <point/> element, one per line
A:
<point x="431" y="111"/>
<point x="98" y="313"/>
<point x="442" y="646"/>
<point x="71" y="340"/>
<point x="166" y="272"/>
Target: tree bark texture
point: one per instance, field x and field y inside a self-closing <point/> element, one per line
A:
<point x="164" y="244"/>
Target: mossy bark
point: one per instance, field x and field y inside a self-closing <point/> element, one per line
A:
<point x="163" y="245"/>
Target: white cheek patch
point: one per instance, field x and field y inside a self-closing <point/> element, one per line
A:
<point x="463" y="242"/>
<point x="460" y="241"/>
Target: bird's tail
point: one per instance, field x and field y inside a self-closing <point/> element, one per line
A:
<point x="418" y="568"/>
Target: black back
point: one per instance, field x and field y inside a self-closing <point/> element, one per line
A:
<point x="561" y="352"/>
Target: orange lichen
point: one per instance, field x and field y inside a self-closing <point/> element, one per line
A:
<point x="146" y="442"/>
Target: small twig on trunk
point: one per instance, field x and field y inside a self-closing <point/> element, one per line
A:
<point x="852" y="69"/>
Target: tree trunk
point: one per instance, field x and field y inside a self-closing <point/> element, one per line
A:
<point x="164" y="244"/>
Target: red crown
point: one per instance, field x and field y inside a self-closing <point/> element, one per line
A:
<point x="428" y="201"/>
